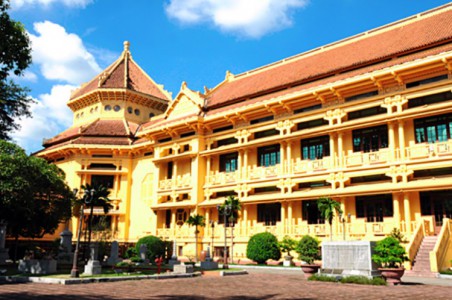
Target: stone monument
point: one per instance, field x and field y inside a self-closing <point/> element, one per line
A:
<point x="143" y="253"/>
<point x="4" y="256"/>
<point x="114" y="254"/>
<point x="93" y="266"/>
<point x="347" y="258"/>
<point x="173" y="261"/>
<point x="65" y="254"/>
<point x="209" y="264"/>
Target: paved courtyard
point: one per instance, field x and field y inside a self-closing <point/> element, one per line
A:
<point x="256" y="285"/>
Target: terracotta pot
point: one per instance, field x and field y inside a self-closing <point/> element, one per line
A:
<point x="310" y="270"/>
<point x="392" y="275"/>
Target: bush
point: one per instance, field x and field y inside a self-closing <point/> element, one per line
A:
<point x="155" y="247"/>
<point x="262" y="247"/>
<point x="388" y="253"/>
<point x="308" y="249"/>
<point x="130" y="252"/>
<point x="320" y="277"/>
<point x="349" y="279"/>
<point x="363" y="280"/>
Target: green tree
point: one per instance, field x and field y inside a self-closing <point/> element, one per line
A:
<point x="34" y="197"/>
<point x="327" y="207"/>
<point x="15" y="57"/>
<point x="196" y="220"/>
<point x="234" y="206"/>
<point x="95" y="196"/>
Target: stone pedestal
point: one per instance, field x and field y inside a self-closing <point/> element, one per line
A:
<point x="208" y="263"/>
<point x="183" y="269"/>
<point x="4" y="256"/>
<point x="348" y="258"/>
<point x="93" y="266"/>
<point x="65" y="254"/>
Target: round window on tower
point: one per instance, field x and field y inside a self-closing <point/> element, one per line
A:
<point x="129" y="109"/>
<point x="151" y="115"/>
<point x="137" y="112"/>
<point x="107" y="107"/>
<point x="117" y="108"/>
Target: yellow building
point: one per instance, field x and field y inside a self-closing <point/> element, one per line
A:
<point x="366" y="121"/>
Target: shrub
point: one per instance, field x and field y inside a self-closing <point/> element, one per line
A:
<point x="262" y="247"/>
<point x="155" y="246"/>
<point x="320" y="277"/>
<point x="388" y="253"/>
<point x="308" y="249"/>
<point x="363" y="280"/>
<point x="130" y="252"/>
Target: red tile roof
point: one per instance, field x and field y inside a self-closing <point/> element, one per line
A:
<point x="324" y="81"/>
<point x="99" y="130"/>
<point x="360" y="51"/>
<point x="118" y="76"/>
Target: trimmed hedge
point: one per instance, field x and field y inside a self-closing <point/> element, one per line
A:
<point x="155" y="247"/>
<point x="262" y="247"/>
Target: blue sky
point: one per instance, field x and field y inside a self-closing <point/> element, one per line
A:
<point x="176" y="40"/>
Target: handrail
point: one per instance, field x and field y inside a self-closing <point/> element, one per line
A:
<point x="438" y="253"/>
<point x="415" y="243"/>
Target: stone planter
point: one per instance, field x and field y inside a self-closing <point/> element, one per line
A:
<point x="310" y="270"/>
<point x="392" y="275"/>
<point x="288" y="261"/>
<point x="37" y="266"/>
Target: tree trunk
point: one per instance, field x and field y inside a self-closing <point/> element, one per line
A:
<point x="196" y="244"/>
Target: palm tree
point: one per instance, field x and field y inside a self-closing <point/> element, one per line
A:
<point x="196" y="220"/>
<point x="95" y="196"/>
<point x="235" y="205"/>
<point x="327" y="207"/>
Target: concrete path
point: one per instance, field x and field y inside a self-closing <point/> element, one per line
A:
<point x="259" y="284"/>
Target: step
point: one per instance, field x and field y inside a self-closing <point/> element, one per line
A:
<point x="420" y="274"/>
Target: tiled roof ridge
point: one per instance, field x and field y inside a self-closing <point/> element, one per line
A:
<point x="350" y="39"/>
<point x="160" y="87"/>
<point x="334" y="58"/>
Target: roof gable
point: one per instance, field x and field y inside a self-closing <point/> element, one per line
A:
<point x="187" y="102"/>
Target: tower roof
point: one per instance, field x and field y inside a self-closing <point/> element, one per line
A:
<point x="124" y="73"/>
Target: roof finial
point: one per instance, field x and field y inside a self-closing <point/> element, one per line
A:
<point x="126" y="45"/>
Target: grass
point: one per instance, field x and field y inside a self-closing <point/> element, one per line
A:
<point x="349" y="279"/>
<point x="446" y="272"/>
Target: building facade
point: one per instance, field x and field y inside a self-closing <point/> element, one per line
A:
<point x="366" y="121"/>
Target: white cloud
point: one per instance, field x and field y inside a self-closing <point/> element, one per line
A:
<point x="50" y="115"/>
<point x="26" y="76"/>
<point x="250" y="18"/>
<point x="19" y="4"/>
<point x="61" y="55"/>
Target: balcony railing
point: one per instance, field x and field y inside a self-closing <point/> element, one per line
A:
<point x="426" y="150"/>
<point x="306" y="166"/>
<point x="183" y="181"/>
<point x="367" y="158"/>
<point x="220" y="178"/>
<point x="264" y="172"/>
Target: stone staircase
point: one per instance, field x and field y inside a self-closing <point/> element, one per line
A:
<point x="421" y="263"/>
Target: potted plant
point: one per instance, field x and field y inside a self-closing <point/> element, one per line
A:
<point x="308" y="251"/>
<point x="286" y="245"/>
<point x="390" y="255"/>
